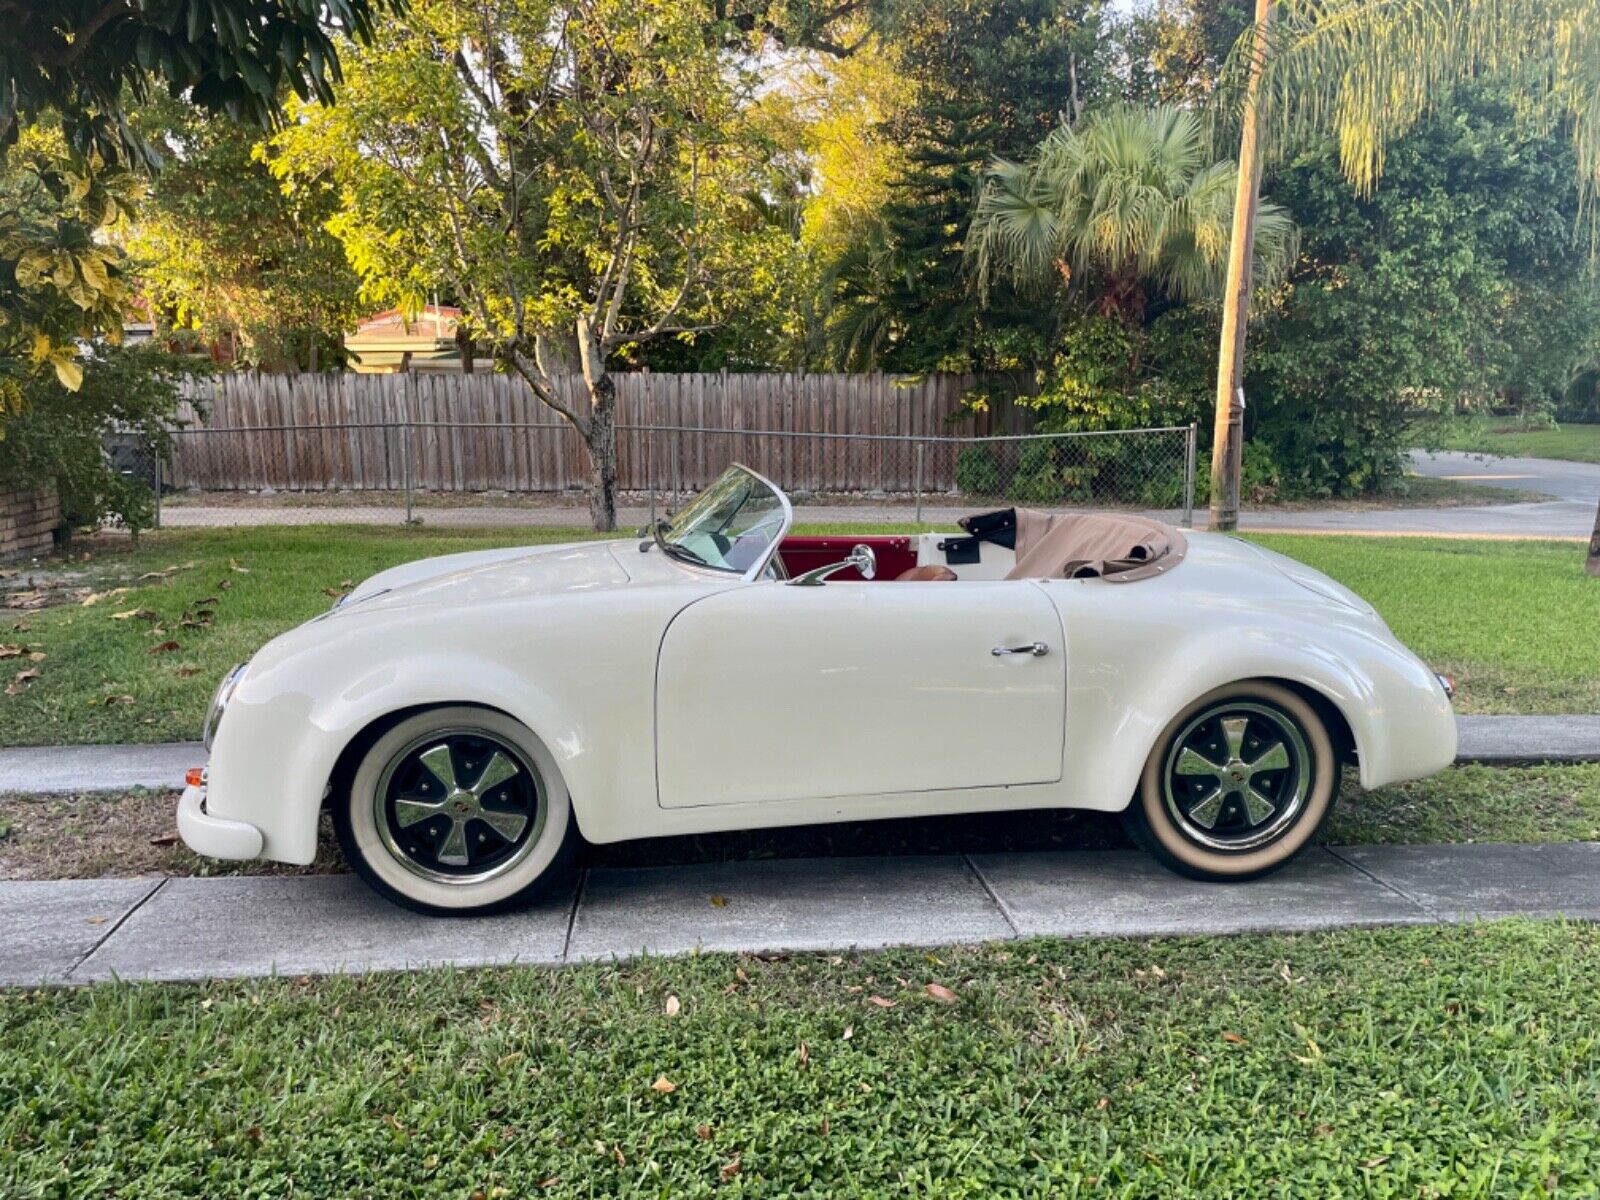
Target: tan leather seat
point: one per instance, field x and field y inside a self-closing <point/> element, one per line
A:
<point x="928" y="573"/>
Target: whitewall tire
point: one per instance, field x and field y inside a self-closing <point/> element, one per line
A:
<point x="457" y="810"/>
<point x="1237" y="785"/>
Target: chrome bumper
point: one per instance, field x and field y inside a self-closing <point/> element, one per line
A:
<point x="214" y="837"/>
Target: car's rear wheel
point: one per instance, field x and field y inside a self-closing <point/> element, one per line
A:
<point x="457" y="810"/>
<point x="1237" y="784"/>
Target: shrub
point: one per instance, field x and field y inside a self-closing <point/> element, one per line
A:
<point x="62" y="436"/>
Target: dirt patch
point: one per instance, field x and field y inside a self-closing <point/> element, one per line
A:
<point x="111" y="836"/>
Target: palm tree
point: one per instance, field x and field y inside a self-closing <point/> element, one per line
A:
<point x="1128" y="196"/>
<point x="1364" y="72"/>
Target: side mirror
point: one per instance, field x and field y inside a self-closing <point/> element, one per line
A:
<point x="861" y="557"/>
<point x="864" y="559"/>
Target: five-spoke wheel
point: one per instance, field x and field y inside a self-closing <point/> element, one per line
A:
<point x="456" y="810"/>
<point x="1237" y="784"/>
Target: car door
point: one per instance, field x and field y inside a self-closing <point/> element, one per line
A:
<point x="775" y="692"/>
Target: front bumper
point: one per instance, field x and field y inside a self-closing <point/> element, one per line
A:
<point x="214" y="837"/>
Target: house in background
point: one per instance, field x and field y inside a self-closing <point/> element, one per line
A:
<point x="387" y="343"/>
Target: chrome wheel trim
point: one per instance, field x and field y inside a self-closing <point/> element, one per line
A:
<point x="1242" y="764"/>
<point x="460" y="798"/>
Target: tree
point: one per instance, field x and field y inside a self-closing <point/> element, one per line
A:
<point x="59" y="282"/>
<point x="84" y="59"/>
<point x="70" y="67"/>
<point x="1127" y="198"/>
<point x="976" y="79"/>
<point x="1365" y="71"/>
<point x="574" y="173"/>
<point x="1462" y="277"/>
<point x="222" y="248"/>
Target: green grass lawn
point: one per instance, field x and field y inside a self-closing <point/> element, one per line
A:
<point x="1441" y="1062"/>
<point x="1579" y="443"/>
<point x="1516" y="622"/>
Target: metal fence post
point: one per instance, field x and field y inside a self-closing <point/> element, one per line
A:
<point x="921" y="449"/>
<point x="1188" y="477"/>
<point x="158" y="488"/>
<point x="677" y="455"/>
<point x="650" y="474"/>
<point x="405" y="466"/>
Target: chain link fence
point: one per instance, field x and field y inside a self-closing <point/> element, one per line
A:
<point x="494" y="473"/>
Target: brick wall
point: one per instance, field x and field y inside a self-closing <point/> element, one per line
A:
<point x="28" y="520"/>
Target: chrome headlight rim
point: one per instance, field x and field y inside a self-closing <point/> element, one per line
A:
<point x="219" y="702"/>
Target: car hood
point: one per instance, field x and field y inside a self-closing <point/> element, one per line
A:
<point x="482" y="576"/>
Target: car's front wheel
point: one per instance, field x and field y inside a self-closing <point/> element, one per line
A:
<point x="457" y="810"/>
<point x="1237" y="784"/>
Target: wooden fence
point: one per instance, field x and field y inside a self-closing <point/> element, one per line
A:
<point x="487" y="431"/>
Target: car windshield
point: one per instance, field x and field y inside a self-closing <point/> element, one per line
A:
<point x="730" y="526"/>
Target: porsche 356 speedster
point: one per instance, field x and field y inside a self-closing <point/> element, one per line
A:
<point x="468" y="718"/>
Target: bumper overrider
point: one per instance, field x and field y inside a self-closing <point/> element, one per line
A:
<point x="201" y="831"/>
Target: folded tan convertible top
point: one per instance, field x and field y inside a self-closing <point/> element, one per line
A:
<point x="1118" y="547"/>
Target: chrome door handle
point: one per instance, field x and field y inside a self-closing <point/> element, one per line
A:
<point x="1037" y="649"/>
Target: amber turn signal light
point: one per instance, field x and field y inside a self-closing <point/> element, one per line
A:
<point x="195" y="776"/>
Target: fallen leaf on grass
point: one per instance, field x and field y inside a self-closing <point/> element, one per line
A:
<point x="164" y="648"/>
<point x="663" y="1085"/>
<point x="233" y="565"/>
<point x="165" y="572"/>
<point x="21" y="679"/>
<point x="881" y="1001"/>
<point x="732" y="1169"/>
<point x="135" y="614"/>
<point x="165" y="839"/>
<point x="224" y="584"/>
<point x="673" y="1006"/>
<point x="804" y="1054"/>
<point x="12" y="651"/>
<point x="1375" y="1162"/>
<point x="703" y="1132"/>
<point x="96" y="597"/>
<point x="186" y="672"/>
<point x="849" y="1032"/>
<point x="1229" y="1036"/>
<point x="122" y="699"/>
<point x="548" y="1183"/>
<point x="940" y="993"/>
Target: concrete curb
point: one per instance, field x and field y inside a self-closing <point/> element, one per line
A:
<point x="78" y="932"/>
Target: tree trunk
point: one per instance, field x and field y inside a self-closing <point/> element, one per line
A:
<point x="601" y="440"/>
<point x="1227" y="447"/>
<point x="1594" y="546"/>
<point x="600" y="435"/>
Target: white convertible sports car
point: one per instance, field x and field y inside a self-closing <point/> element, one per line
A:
<point x="467" y="717"/>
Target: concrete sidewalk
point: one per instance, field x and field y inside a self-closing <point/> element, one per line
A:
<point x="37" y="770"/>
<point x="189" y="929"/>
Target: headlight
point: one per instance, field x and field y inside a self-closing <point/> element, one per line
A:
<point x="219" y="702"/>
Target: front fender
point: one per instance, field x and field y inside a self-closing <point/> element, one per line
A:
<point x="581" y="681"/>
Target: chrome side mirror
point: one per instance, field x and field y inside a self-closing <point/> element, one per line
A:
<point x="861" y="557"/>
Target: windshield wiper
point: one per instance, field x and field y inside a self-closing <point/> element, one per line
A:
<point x="682" y="553"/>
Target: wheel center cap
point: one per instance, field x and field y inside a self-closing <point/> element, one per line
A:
<point x="1238" y="774"/>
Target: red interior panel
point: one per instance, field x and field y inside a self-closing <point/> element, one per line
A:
<point x="805" y="553"/>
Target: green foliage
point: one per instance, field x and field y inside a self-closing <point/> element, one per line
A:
<point x="983" y="78"/>
<point x="1125" y="199"/>
<point x="221" y="248"/>
<point x="82" y="60"/>
<point x="59" y="281"/>
<point x="1463" y="275"/>
<point x="1400" y="1062"/>
<point x="977" y="472"/>
<point x="61" y="436"/>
